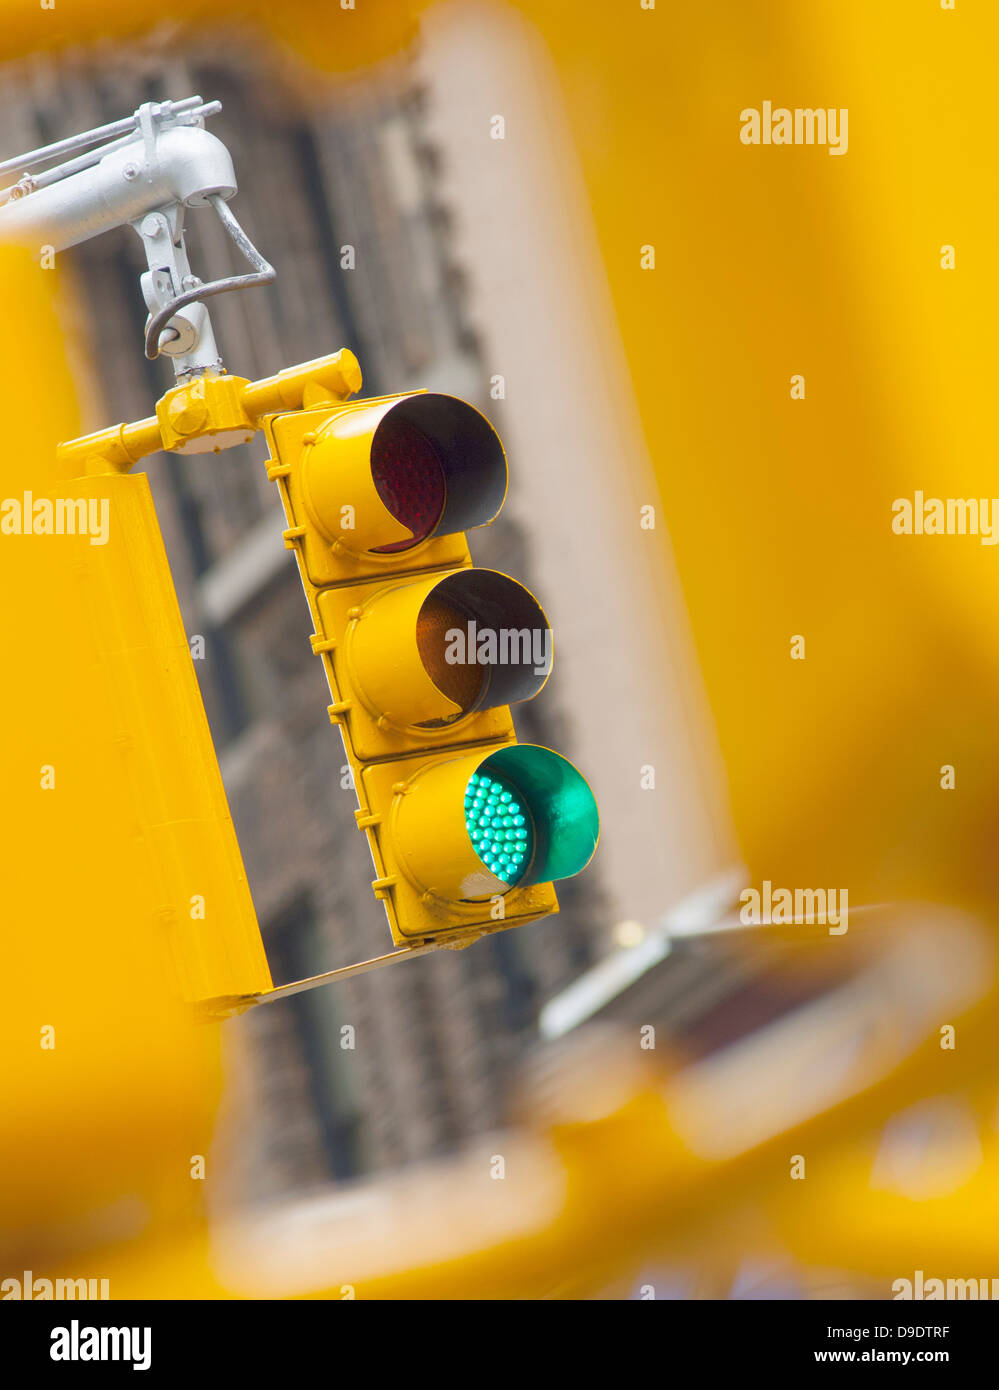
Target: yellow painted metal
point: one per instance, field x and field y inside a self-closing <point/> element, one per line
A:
<point x="322" y="461"/>
<point x="370" y="659"/>
<point x="115" y="449"/>
<point x="114" y="594"/>
<point x="427" y="825"/>
<point x="384" y="696"/>
<point x="205" y="415"/>
<point x="384" y="660"/>
<point x="119" y="632"/>
<point x="382" y="686"/>
<point x="110" y="702"/>
<point x="333" y="377"/>
<point x="367" y="635"/>
<point x="340" y="496"/>
<point x="385" y="701"/>
<point x="215" y="410"/>
<point x="138" y="649"/>
<point x="111" y="816"/>
<point x="136" y="639"/>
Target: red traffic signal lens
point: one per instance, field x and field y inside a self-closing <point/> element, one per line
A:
<point x="409" y="477"/>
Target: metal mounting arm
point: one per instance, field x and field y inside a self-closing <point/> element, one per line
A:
<point x="163" y="320"/>
<point x="144" y="171"/>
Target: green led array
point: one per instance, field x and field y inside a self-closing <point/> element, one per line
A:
<point x="498" y="827"/>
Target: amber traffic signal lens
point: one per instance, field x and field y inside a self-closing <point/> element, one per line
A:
<point x="462" y="683"/>
<point x="409" y="477"/>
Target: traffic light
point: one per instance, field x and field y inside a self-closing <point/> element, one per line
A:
<point x="424" y="654"/>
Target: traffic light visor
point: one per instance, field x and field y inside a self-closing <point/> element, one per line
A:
<point x="484" y="639"/>
<point x="382" y="478"/>
<point x="451" y="831"/>
<point x="438" y="466"/>
<point x="558" y="806"/>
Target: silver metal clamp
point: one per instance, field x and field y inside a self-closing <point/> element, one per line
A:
<point x="144" y="172"/>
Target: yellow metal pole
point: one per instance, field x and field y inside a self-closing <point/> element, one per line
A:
<point x="228" y="407"/>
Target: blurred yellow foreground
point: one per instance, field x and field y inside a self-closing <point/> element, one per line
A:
<point x="768" y="265"/>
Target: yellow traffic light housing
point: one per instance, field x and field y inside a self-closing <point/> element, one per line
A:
<point x="395" y="685"/>
<point x="385" y="478"/>
<point x="424" y="654"/>
<point x="447" y="864"/>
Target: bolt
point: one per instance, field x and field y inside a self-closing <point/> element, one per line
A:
<point x="130" y="171"/>
<point x="186" y="414"/>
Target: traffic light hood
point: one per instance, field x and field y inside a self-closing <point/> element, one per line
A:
<point x="482" y="622"/>
<point x="560" y="804"/>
